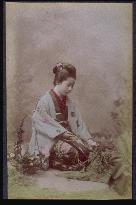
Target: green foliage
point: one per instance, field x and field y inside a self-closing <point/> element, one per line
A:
<point x="29" y="164"/>
<point x="99" y="167"/>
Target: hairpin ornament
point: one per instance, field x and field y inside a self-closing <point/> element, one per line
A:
<point x="59" y="66"/>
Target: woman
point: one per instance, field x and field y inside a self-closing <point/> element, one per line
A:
<point x="58" y="130"/>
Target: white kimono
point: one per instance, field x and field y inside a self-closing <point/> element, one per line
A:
<point x="45" y="127"/>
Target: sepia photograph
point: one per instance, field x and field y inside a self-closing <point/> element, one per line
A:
<point x="69" y="72"/>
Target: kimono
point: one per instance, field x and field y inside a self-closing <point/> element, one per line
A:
<point x="50" y="120"/>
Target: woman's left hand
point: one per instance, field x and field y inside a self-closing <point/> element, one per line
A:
<point x="91" y="143"/>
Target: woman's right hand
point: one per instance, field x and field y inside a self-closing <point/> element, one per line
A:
<point x="68" y="134"/>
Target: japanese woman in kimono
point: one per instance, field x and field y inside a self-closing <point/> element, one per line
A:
<point x="58" y="130"/>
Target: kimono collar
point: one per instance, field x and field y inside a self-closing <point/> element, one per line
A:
<point x="61" y="101"/>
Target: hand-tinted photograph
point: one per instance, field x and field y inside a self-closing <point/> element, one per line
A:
<point x="69" y="100"/>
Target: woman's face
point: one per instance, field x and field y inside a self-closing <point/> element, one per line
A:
<point x="66" y="86"/>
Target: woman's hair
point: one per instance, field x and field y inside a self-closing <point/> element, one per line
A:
<point x="62" y="71"/>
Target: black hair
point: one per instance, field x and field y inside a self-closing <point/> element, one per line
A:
<point x="62" y="71"/>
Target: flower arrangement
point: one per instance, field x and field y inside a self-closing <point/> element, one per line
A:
<point x="26" y="163"/>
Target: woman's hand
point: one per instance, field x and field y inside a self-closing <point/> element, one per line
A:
<point x="68" y="134"/>
<point x="91" y="143"/>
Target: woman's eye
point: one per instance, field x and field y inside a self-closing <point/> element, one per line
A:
<point x="71" y="85"/>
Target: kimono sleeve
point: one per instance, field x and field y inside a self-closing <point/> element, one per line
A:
<point x="44" y="123"/>
<point x="82" y="130"/>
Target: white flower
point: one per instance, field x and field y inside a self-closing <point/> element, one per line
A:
<point x="12" y="155"/>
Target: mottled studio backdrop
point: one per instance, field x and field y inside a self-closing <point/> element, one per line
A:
<point x="95" y="38"/>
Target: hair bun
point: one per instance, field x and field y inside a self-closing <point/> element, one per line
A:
<point x="58" y="68"/>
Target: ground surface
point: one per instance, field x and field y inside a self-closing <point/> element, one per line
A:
<point x="50" y="185"/>
<point x="51" y="179"/>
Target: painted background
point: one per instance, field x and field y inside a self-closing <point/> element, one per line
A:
<point x="95" y="38"/>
